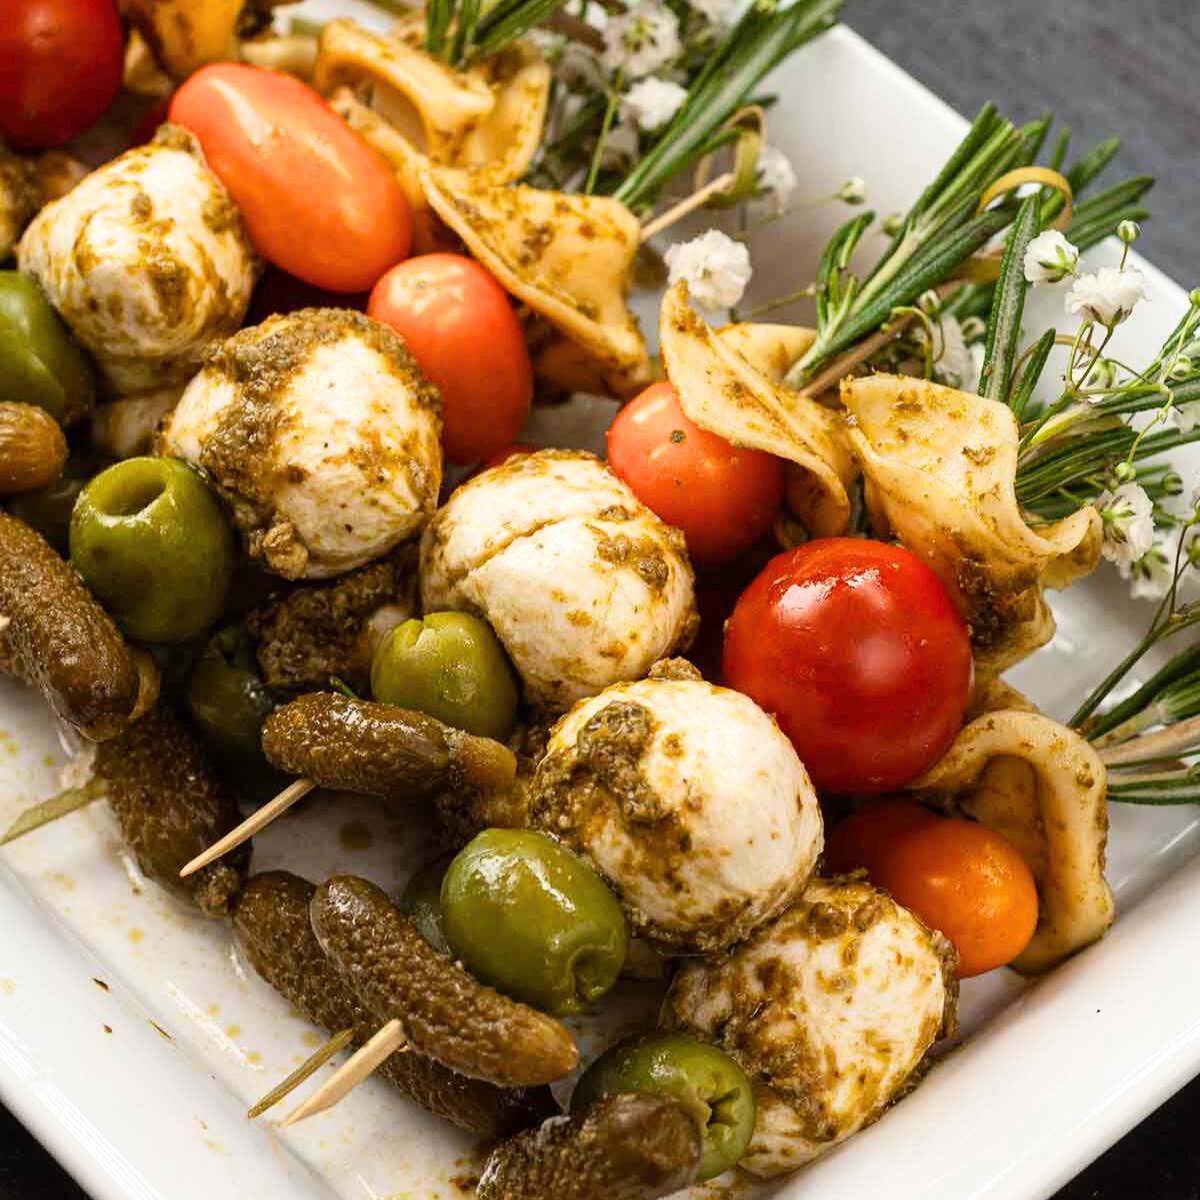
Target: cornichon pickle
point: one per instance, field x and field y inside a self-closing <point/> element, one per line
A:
<point x="422" y="901"/>
<point x="704" y="1079"/>
<point x="272" y="927"/>
<point x="359" y="746"/>
<point x="171" y="805"/>
<point x="446" y="1014"/>
<point x="64" y="642"/>
<point x="628" y="1147"/>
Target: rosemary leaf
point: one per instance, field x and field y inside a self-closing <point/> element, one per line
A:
<point x="1004" y="326"/>
<point x="1031" y="373"/>
<point x="1179" y="668"/>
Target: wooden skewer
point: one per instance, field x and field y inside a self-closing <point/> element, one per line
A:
<point x="689" y="204"/>
<point x="50" y="810"/>
<point x="313" y="1063"/>
<point x="351" y="1073"/>
<point x="250" y="826"/>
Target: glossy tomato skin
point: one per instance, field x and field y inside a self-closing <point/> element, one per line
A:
<point x="461" y="328"/>
<point x="857" y="649"/>
<point x="317" y="200"/>
<point x="970" y="883"/>
<point x="722" y="497"/>
<point x="61" y="63"/>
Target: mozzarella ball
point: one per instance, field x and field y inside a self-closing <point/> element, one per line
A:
<point x="146" y="260"/>
<point x="321" y="433"/>
<point x="689" y="801"/>
<point x="583" y="584"/>
<point x="128" y="427"/>
<point x="830" y="1010"/>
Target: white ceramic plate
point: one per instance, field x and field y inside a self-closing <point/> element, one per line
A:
<point x="131" y="1040"/>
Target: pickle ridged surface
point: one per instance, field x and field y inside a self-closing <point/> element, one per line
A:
<point x="171" y="806"/>
<point x="446" y="1014"/>
<point x="64" y="641"/>
<point x="625" y="1147"/>
<point x="271" y="924"/>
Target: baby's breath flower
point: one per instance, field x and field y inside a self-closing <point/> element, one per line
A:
<point x="1186" y="416"/>
<point x="1129" y="232"/>
<point x="776" y="178"/>
<point x="1152" y="573"/>
<point x="1108" y="296"/>
<point x="641" y="40"/>
<point x="720" y="13"/>
<point x="1127" y="516"/>
<point x="1050" y="258"/>
<point x="1102" y="375"/>
<point x="653" y="102"/>
<point x="715" y="267"/>
<point x="853" y="191"/>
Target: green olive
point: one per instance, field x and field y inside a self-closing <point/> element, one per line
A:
<point x="705" y="1080"/>
<point x="152" y="543"/>
<point x="529" y="917"/>
<point x="422" y="901"/>
<point x="40" y="363"/>
<point x="451" y="666"/>
<point x="228" y="700"/>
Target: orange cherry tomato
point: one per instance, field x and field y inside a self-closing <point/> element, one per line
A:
<point x="864" y="839"/>
<point x="958" y="876"/>
<point x="724" y="498"/>
<point x="316" y="199"/>
<point x="461" y="328"/>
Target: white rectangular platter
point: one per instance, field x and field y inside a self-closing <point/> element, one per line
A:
<point x="131" y="1040"/>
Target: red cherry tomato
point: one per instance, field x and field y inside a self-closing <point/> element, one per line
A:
<point x="858" y="650"/>
<point x="499" y="459"/>
<point x="959" y="877"/>
<point x="722" y="497"/>
<point x="316" y="199"/>
<point x="864" y="839"/>
<point x="61" y="63"/>
<point x="278" y="292"/>
<point x="461" y="328"/>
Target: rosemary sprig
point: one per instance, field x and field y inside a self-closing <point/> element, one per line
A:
<point x="1171" y="694"/>
<point x="766" y="34"/>
<point x="1002" y="342"/>
<point x="940" y="231"/>
<point x="459" y="31"/>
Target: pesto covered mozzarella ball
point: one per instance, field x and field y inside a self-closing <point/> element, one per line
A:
<point x="830" y="1010"/>
<point x="583" y="584"/>
<point x="146" y="260"/>
<point x="321" y="433"/>
<point x="689" y="801"/>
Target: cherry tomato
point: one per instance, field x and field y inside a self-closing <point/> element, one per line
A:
<point x="959" y="877"/>
<point x="723" y="498"/>
<point x="865" y="838"/>
<point x="857" y="649"/>
<point x="279" y="292"/>
<point x="461" y="328"/>
<point x="316" y="199"/>
<point x="61" y="63"/>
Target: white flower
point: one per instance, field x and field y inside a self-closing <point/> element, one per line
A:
<point x="641" y="40"/>
<point x="954" y="362"/>
<point x="1050" y="258"/>
<point x="776" y="177"/>
<point x="1152" y="573"/>
<point x="720" y="12"/>
<point x="653" y="102"/>
<point x="1128" y="520"/>
<point x="1186" y="415"/>
<point x="1108" y="296"/>
<point x="853" y="191"/>
<point x="714" y="266"/>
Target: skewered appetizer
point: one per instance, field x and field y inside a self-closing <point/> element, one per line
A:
<point x="273" y="590"/>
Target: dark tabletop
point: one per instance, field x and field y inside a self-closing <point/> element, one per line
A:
<point x="1127" y="67"/>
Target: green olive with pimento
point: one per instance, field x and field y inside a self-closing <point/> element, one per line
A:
<point x="529" y="917"/>
<point x="700" y="1077"/>
<point x="153" y="544"/>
